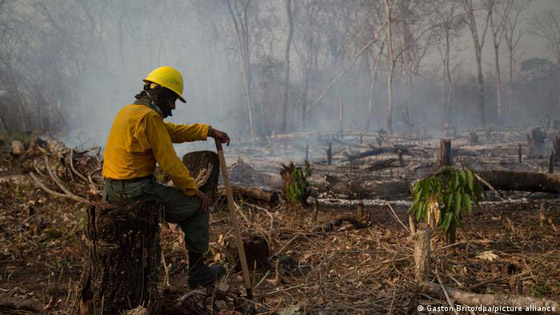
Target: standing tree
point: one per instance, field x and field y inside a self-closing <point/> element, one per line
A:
<point x="306" y="44"/>
<point x="547" y="25"/>
<point x="374" y="65"/>
<point x="446" y="31"/>
<point x="415" y="39"/>
<point x="478" y="40"/>
<point x="238" y="10"/>
<point x="512" y="37"/>
<point x="391" y="62"/>
<point x="287" y="65"/>
<point x="373" y="23"/>
<point x="499" y="13"/>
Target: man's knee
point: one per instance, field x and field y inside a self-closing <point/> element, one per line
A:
<point x="181" y="208"/>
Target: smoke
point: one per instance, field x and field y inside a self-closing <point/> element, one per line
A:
<point x="71" y="65"/>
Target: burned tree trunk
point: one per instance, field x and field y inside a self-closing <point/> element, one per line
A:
<point x="535" y="139"/>
<point x="120" y="270"/>
<point x="523" y="181"/>
<point x="444" y="157"/>
<point x="257" y="252"/>
<point x="556" y="145"/>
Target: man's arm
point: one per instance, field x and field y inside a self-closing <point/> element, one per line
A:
<point x="186" y="133"/>
<point x="165" y="155"/>
<point x="194" y="132"/>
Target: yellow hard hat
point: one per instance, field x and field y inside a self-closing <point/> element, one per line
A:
<point x="167" y="77"/>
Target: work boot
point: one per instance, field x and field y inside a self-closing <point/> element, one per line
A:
<point x="202" y="275"/>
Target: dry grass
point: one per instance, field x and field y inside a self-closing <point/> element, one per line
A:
<point x="343" y="270"/>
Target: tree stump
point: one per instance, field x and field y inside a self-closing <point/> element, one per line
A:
<point x="535" y="139"/>
<point x="444" y="156"/>
<point x="556" y="147"/>
<point x="473" y="138"/>
<point x="204" y="167"/>
<point x="422" y="254"/>
<point x="17" y="148"/>
<point x="551" y="163"/>
<point x="120" y="270"/>
<point x="257" y="253"/>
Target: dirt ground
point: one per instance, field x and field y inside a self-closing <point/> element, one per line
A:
<point x="320" y="261"/>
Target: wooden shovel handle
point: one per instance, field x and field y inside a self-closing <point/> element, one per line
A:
<point x="233" y="219"/>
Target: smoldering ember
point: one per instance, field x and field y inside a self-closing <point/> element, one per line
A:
<point x="279" y="157"/>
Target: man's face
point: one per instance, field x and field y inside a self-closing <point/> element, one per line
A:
<point x="170" y="106"/>
<point x="172" y="103"/>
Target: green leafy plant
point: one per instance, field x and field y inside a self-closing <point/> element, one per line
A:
<point x="298" y="189"/>
<point x="441" y="199"/>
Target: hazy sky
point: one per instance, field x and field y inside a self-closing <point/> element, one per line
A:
<point x="211" y="81"/>
<point x="529" y="46"/>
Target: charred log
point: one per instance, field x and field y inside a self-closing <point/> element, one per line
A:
<point x="377" y="151"/>
<point x="242" y="172"/>
<point x="523" y="181"/>
<point x="357" y="189"/>
<point x="255" y="193"/>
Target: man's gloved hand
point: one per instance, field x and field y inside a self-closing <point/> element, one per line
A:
<point x="203" y="200"/>
<point x="220" y="135"/>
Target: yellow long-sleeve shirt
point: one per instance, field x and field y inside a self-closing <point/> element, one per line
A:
<point x="139" y="138"/>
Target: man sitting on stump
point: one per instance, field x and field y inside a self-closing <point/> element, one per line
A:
<point x="138" y="139"/>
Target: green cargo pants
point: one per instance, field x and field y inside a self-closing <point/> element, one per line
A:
<point x="179" y="208"/>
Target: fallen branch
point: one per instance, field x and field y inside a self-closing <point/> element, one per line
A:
<point x="73" y="169"/>
<point x="45" y="188"/>
<point x="56" y="179"/>
<point x="265" y="211"/>
<point x="394" y="214"/>
<point x="489" y="300"/>
<point x="445" y="292"/>
<point x="489" y="186"/>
